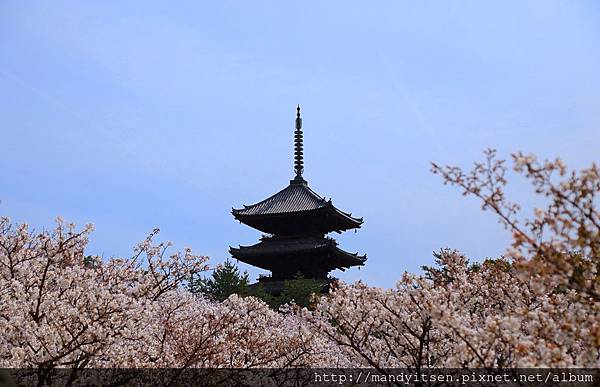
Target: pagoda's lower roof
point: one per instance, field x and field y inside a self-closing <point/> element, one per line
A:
<point x="295" y="209"/>
<point x="275" y="251"/>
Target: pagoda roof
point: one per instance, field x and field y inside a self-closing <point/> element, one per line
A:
<point x="293" y="198"/>
<point x="297" y="199"/>
<point x="271" y="249"/>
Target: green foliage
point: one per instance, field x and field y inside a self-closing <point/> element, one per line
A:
<point x="300" y="290"/>
<point x="90" y="261"/>
<point x="440" y="274"/>
<point x="225" y="281"/>
<point x="260" y="292"/>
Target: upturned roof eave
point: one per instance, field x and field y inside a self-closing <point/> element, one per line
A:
<point x="253" y="252"/>
<point x="348" y="218"/>
<point x="358" y="221"/>
<point x="316" y="201"/>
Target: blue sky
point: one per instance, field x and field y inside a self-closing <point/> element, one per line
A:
<point x="134" y="115"/>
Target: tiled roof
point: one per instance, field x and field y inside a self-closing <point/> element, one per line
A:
<point x="293" y="198"/>
<point x="272" y="247"/>
<point x="289" y="245"/>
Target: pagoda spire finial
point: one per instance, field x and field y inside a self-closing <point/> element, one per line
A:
<point x="298" y="147"/>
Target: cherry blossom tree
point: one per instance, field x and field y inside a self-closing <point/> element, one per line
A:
<point x="537" y="306"/>
<point x="557" y="252"/>
<point x="59" y="308"/>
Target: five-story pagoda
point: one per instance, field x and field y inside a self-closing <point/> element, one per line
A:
<point x="297" y="221"/>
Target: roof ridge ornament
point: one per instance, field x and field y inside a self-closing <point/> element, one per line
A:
<point x="298" y="150"/>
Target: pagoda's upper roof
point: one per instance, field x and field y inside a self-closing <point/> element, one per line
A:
<point x="296" y="208"/>
<point x="293" y="198"/>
